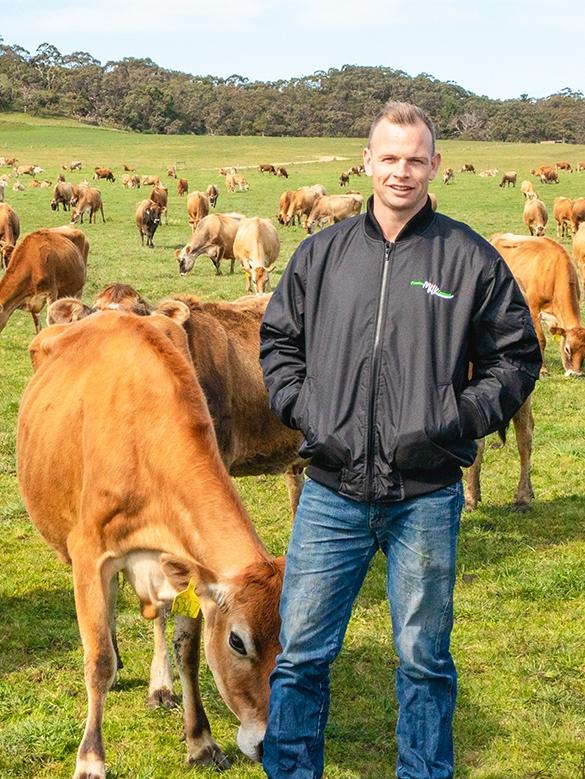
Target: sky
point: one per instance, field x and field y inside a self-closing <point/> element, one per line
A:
<point x="501" y="48"/>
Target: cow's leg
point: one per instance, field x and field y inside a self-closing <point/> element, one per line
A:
<point x="248" y="283"/>
<point x="201" y="748"/>
<point x="524" y="427"/>
<point x="541" y="339"/>
<point x="160" y="689"/>
<point x="36" y="321"/>
<point x="294" y="477"/>
<point x="91" y="603"/>
<point x="473" y="478"/>
<point x="112" y="600"/>
<point x="141" y="237"/>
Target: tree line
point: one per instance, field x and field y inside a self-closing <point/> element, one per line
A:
<point x="137" y="94"/>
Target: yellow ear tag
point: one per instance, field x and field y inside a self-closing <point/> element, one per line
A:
<point x="186" y="603"/>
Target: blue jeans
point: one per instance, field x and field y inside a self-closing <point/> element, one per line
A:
<point x="331" y="546"/>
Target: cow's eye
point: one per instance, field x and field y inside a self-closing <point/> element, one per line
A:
<point x="237" y="644"/>
<point x="567" y="349"/>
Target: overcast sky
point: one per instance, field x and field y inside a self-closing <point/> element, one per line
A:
<point x="501" y="48"/>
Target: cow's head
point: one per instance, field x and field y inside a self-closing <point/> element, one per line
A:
<point x="572" y="348"/>
<point x="152" y="214"/>
<point x="6" y="250"/>
<point x="188" y="254"/>
<point x="75" y="214"/>
<point x="242" y="624"/>
<point x="54" y="204"/>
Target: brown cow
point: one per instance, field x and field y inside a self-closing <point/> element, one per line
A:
<point x="182" y="187"/>
<point x="344" y="179"/>
<point x="578" y="213"/>
<point x="130" y="182"/>
<point x="150" y="181"/>
<point x="579" y="252"/>
<point x="580" y="166"/>
<point x="266" y="168"/>
<point x="148" y="214"/>
<point x="563" y="214"/>
<point x="549" y="177"/>
<point x="448" y="175"/>
<point x="467" y="167"/>
<point x="541" y="169"/>
<point x="197" y="208"/>
<point x="25" y="170"/>
<point x="213" y="236"/>
<point x="103" y="173"/>
<point x="301" y="203"/>
<point x="47" y="264"/>
<point x="105" y="510"/>
<point x="282" y="172"/>
<point x="333" y="208"/>
<point x="283" y="204"/>
<point x="172" y="172"/>
<point x="89" y="202"/>
<point x="509" y="177"/>
<point x="256" y="246"/>
<point x="535" y="216"/>
<point x="9" y="232"/>
<point x="160" y="196"/>
<point x="548" y="279"/>
<point x="212" y="193"/>
<point x="563" y="166"/>
<point x="62" y="195"/>
<point x="129" y="169"/>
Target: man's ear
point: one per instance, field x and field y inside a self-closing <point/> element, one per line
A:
<point x="435" y="165"/>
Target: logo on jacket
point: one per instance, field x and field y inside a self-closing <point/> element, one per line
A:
<point x="432" y="289"/>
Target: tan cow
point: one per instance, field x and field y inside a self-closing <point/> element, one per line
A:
<point x="160" y="196"/>
<point x="17" y="187"/>
<point x="581" y="166"/>
<point x="257" y="246"/>
<point x="25" y="170"/>
<point x="148" y="215"/>
<point x="548" y="279"/>
<point x="301" y="204"/>
<point x="528" y="190"/>
<point x="535" y="216"/>
<point x="489" y="173"/>
<point x="509" y="177"/>
<point x="172" y="172"/>
<point x="150" y="181"/>
<point x="45" y="265"/>
<point x="467" y="167"/>
<point x="241" y="183"/>
<point x="282" y="172"/>
<point x="448" y="175"/>
<point x="579" y="252"/>
<point x="212" y="193"/>
<point x="563" y="214"/>
<point x="563" y="166"/>
<point x="103" y="173"/>
<point x="105" y="509"/>
<point x="213" y="236"/>
<point x="182" y="187"/>
<point x="89" y="202"/>
<point x="333" y="208"/>
<point x="197" y="208"/>
<point x="62" y="195"/>
<point x="9" y="232"/>
<point x="283" y="204"/>
<point x="578" y="213"/>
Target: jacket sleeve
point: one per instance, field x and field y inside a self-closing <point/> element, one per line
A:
<point x="505" y="354"/>
<point x="282" y="339"/>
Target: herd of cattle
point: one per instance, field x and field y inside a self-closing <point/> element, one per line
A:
<point x="186" y="373"/>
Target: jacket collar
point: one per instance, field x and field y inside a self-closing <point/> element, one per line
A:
<point x="415" y="226"/>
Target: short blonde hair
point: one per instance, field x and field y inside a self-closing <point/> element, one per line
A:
<point x="403" y="114"/>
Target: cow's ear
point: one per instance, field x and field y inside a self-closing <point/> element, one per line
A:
<point x="66" y="310"/>
<point x="180" y="572"/>
<point x="177" y="253"/>
<point x="555" y="330"/>
<point x="7" y="250"/>
<point x="174" y="309"/>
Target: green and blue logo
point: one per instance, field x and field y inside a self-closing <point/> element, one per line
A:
<point x="432" y="289"/>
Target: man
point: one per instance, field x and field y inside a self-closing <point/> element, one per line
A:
<point x="365" y="347"/>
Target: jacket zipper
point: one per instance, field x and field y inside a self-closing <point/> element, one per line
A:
<point x="375" y="371"/>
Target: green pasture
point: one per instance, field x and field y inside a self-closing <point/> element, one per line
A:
<point x="519" y="638"/>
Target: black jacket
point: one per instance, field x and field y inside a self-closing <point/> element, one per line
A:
<point x="365" y="347"/>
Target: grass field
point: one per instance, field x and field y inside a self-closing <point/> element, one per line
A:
<point x="519" y="638"/>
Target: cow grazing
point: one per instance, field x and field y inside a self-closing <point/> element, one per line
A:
<point x="103" y="173"/>
<point x="148" y="214"/>
<point x="17" y="187"/>
<point x="158" y="505"/>
<point x="283" y="204"/>
<point x="548" y="279"/>
<point x="509" y="177"/>
<point x="62" y="195"/>
<point x="256" y="246"/>
<point x="9" y="232"/>
<point x="578" y="213"/>
<point x="467" y="167"/>
<point x="333" y="208"/>
<point x="563" y="214"/>
<point x="160" y="196"/>
<point x="448" y="175"/>
<point x="150" y="181"/>
<point x="77" y="190"/>
<point x="213" y="236"/>
<point x="301" y="204"/>
<point x="535" y="216"/>
<point x="182" y="187"/>
<point x="527" y="189"/>
<point x="45" y="265"/>
<point x="197" y="208"/>
<point x="549" y="177"/>
<point x="489" y="173"/>
<point x="563" y="166"/>
<point x="344" y="179"/>
<point x="172" y="172"/>
<point x="25" y="170"/>
<point x="212" y="193"/>
<point x="89" y="202"/>
<point x="266" y="168"/>
<point x="579" y="252"/>
<point x="355" y="170"/>
<point x="581" y="166"/>
<point x="129" y="168"/>
<point x="130" y="181"/>
<point x="282" y="172"/>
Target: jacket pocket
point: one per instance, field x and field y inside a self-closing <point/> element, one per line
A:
<point x="436" y="441"/>
<point x="299" y="416"/>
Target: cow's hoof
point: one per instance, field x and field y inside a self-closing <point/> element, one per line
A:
<point x="521" y="508"/>
<point x="210" y="755"/>
<point x="163" y="697"/>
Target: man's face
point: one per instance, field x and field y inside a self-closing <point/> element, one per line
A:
<point x="401" y="163"/>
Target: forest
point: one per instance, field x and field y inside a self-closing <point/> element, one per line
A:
<point x="139" y="95"/>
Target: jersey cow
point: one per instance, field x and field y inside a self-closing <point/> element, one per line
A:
<point x="148" y="214"/>
<point x="103" y="173"/>
<point x="333" y="208"/>
<point x="9" y="232"/>
<point x="256" y="246"/>
<point x="197" y="208"/>
<point x="88" y="202"/>
<point x="157" y="504"/>
<point x="213" y="236"/>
